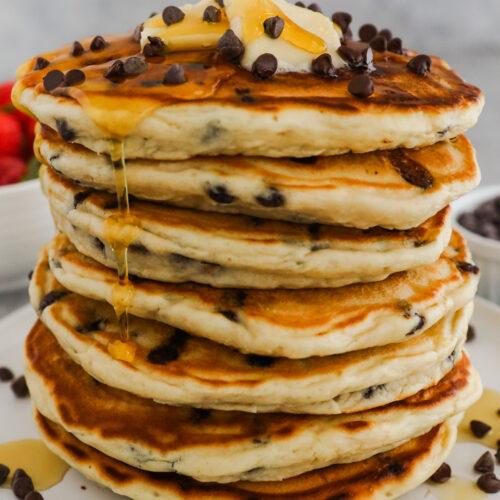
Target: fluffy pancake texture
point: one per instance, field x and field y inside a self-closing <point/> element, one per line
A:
<point x="290" y="323"/>
<point x="387" y="475"/>
<point x="209" y="375"/>
<point x="360" y="191"/>
<point x="226" y="446"/>
<point x="225" y="110"/>
<point x="178" y="245"/>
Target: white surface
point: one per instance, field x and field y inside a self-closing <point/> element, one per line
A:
<point x="485" y="251"/>
<point x="15" y="415"/>
<point x="25" y="225"/>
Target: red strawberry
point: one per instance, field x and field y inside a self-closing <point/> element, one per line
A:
<point x="11" y="170"/>
<point x="11" y="135"/>
<point x="5" y="91"/>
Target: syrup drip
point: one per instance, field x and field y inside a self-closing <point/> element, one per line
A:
<point x="45" y="468"/>
<point x="457" y="488"/>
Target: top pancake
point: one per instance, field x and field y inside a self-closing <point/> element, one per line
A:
<point x="223" y="109"/>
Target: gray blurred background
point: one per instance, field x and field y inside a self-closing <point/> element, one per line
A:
<point x="464" y="32"/>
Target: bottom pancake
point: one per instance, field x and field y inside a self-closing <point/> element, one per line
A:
<point x="387" y="475"/>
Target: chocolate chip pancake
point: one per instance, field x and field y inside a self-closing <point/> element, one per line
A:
<point x="227" y="446"/>
<point x="170" y="366"/>
<point x="178" y="245"/>
<point x="397" y="189"/>
<point x="387" y="475"/>
<point x="289" y="323"/>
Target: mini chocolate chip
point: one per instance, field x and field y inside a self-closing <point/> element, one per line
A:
<point x="467" y="267"/>
<point x="471" y="333"/>
<point x="411" y="171"/>
<point x="134" y="66"/>
<point x="479" y="429"/>
<point x="21" y="486"/>
<point x="51" y="298"/>
<point x="4" y="473"/>
<point x="115" y="71"/>
<point x="273" y="26"/>
<point x="489" y="483"/>
<point x="136" y="37"/>
<point x="323" y="66"/>
<point x="230" y="46"/>
<point x="379" y="43"/>
<point x="395" y="468"/>
<point x="33" y="495"/>
<point x="260" y="361"/>
<point x="367" y="32"/>
<point x="155" y="47"/>
<point x="418" y="326"/>
<point x="343" y="20"/>
<point x="368" y="393"/>
<point x="272" y="199"/>
<point x="314" y="7"/>
<point x="442" y="475"/>
<point x="420" y="64"/>
<point x="361" y="86"/>
<point x="67" y="134"/>
<point x="19" y="387"/>
<point x="230" y="315"/>
<point x="98" y="43"/>
<point x="387" y="34"/>
<point x="19" y="473"/>
<point x="300" y="4"/>
<point x="357" y="54"/>
<point x="199" y="414"/>
<point x="77" y="49"/>
<point x="41" y="63"/>
<point x="172" y="15"/>
<point x="265" y="66"/>
<point x="163" y="355"/>
<point x="307" y="160"/>
<point x="53" y="79"/>
<point x="174" y="75"/>
<point x="220" y="194"/>
<point x="220" y="3"/>
<point x="74" y="77"/>
<point x="212" y="14"/>
<point x="30" y="275"/>
<point x="6" y="374"/>
<point x="485" y="463"/>
<point x="80" y="198"/>
<point x="395" y="45"/>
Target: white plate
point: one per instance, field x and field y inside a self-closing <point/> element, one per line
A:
<point x="16" y="423"/>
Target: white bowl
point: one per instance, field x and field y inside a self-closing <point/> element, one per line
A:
<point x="485" y="251"/>
<point x="25" y="225"/>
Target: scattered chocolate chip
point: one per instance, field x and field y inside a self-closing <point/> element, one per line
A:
<point x="174" y="75"/>
<point x="65" y="131"/>
<point x="212" y="14"/>
<point x="163" y="355"/>
<point x="155" y="47"/>
<point x="307" y="160"/>
<point x="368" y="393"/>
<point x="98" y="43"/>
<point x="420" y="64"/>
<point x="357" y="54"/>
<point x="395" y="468"/>
<point x="74" y="77"/>
<point x="418" y="326"/>
<point x="80" y="198"/>
<point x="77" y="49"/>
<point x="471" y="333"/>
<point x="489" y="483"/>
<point x="361" y="86"/>
<point x="273" y="26"/>
<point x="467" y="267"/>
<point x="136" y="37"/>
<point x="497" y="454"/>
<point x="230" y="47"/>
<point x="199" y="415"/>
<point x="134" y="66"/>
<point x="172" y="15"/>
<point x="314" y="7"/>
<point x="4" y="473"/>
<point x="300" y="4"/>
<point x="153" y="14"/>
<point x="272" y="199"/>
<point x="19" y="473"/>
<point x="220" y="3"/>
<point x="41" y="63"/>
<point x="30" y="275"/>
<point x="230" y="315"/>
<point x="51" y="298"/>
<point x="485" y="463"/>
<point x="442" y="475"/>
<point x="379" y="43"/>
<point x="115" y="71"/>
<point x="265" y="66"/>
<point x="343" y="20"/>
<point x="367" y="32"/>
<point x="411" y="171"/>
<point x="323" y="66"/>
<point x="220" y="194"/>
<point x="260" y="361"/>
<point x="34" y="495"/>
<point x="479" y="429"/>
<point x="395" y="45"/>
<point x="179" y="339"/>
<point x="387" y="34"/>
<point x="21" y="486"/>
<point x="19" y="387"/>
<point x="53" y="79"/>
<point x="6" y="374"/>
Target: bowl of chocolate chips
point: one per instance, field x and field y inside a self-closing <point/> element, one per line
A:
<point x="477" y="216"/>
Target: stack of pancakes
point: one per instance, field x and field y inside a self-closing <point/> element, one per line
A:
<point x="297" y="300"/>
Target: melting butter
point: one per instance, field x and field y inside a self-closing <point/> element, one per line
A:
<point x="32" y="455"/>
<point x="457" y="488"/>
<point x="123" y="350"/>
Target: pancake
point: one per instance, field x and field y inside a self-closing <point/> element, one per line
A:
<point x="387" y="475"/>
<point x="224" y="110"/>
<point x="227" y="446"/>
<point x="362" y="191"/>
<point x="173" y="367"/>
<point x="178" y="245"/>
<point x="289" y="323"/>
